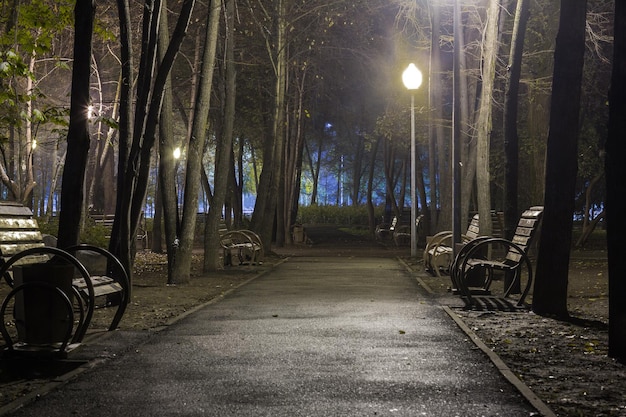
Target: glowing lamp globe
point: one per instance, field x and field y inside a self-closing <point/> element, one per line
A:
<point x="412" y="77"/>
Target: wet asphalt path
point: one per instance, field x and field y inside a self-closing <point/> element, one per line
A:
<point x="317" y="336"/>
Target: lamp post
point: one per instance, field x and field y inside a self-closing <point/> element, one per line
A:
<point x="412" y="79"/>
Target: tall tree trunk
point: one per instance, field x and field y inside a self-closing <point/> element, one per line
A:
<point x="136" y="168"/>
<point x="390" y="180"/>
<point x="293" y="162"/>
<point x="511" y="143"/>
<point x="72" y="193"/>
<point x="370" y="187"/>
<point x="615" y="189"/>
<point x="126" y="110"/>
<point x="589" y="224"/>
<point x="167" y="161"/>
<point x="435" y="113"/>
<point x="550" y="290"/>
<point x="469" y="90"/>
<point x="128" y="171"/>
<point x="356" y="170"/>
<point x="314" y="166"/>
<point x="224" y="150"/>
<point x="265" y="208"/>
<point x="483" y="176"/>
<point x="182" y="264"/>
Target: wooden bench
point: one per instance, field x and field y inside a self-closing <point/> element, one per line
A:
<point x="98" y="278"/>
<point x="243" y="245"/>
<point x="107" y="220"/>
<point x="438" y="251"/>
<point x="487" y="259"/>
<point x="384" y="229"/>
<point x="401" y="231"/>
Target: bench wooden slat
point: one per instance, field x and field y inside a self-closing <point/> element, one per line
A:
<point x="102" y="285"/>
<point x="13" y="209"/>
<point x="9" y="236"/>
<point x="18" y="223"/>
<point x="9" y="249"/>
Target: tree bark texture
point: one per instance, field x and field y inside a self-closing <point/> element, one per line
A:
<point x="550" y="290"/>
<point x="167" y="163"/>
<point x="72" y="193"/>
<point x="483" y="142"/>
<point x="615" y="169"/>
<point x="435" y="113"/>
<point x="263" y="219"/>
<point x="224" y="148"/>
<point x="182" y="267"/>
<point x="511" y="142"/>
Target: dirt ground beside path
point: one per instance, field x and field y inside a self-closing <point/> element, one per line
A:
<point x="564" y="363"/>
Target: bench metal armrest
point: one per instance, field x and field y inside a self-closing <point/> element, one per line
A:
<point x="114" y="271"/>
<point x="472" y="257"/>
<point x="81" y="329"/>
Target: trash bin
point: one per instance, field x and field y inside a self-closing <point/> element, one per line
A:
<point x="298" y="233"/>
<point x="41" y="314"/>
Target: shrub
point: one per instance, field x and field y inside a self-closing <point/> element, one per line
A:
<point x="93" y="234"/>
<point x="339" y="215"/>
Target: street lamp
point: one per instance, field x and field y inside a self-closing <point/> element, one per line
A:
<point x="412" y="79"/>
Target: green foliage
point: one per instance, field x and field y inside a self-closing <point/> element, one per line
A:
<point x="11" y="67"/>
<point x="346" y="215"/>
<point x="93" y="234"/>
<point x="49" y="226"/>
<point x="32" y="28"/>
<point x="38" y="23"/>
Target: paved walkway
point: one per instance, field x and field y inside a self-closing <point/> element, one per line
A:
<point x="317" y="336"/>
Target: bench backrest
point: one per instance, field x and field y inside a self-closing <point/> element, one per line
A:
<point x="473" y="229"/>
<point x="526" y="231"/>
<point x="18" y="230"/>
<point x="105" y="220"/>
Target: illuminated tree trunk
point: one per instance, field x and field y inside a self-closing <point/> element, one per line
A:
<point x="483" y="176"/>
<point x="182" y="267"/>
<point x="511" y="147"/>
<point x="265" y="207"/>
<point x="72" y="193"/>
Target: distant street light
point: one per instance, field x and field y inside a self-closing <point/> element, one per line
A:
<point x="412" y="79"/>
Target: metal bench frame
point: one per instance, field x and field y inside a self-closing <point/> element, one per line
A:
<point x="21" y="243"/>
<point x="473" y="269"/>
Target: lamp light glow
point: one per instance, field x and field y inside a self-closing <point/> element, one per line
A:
<point x="412" y="77"/>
